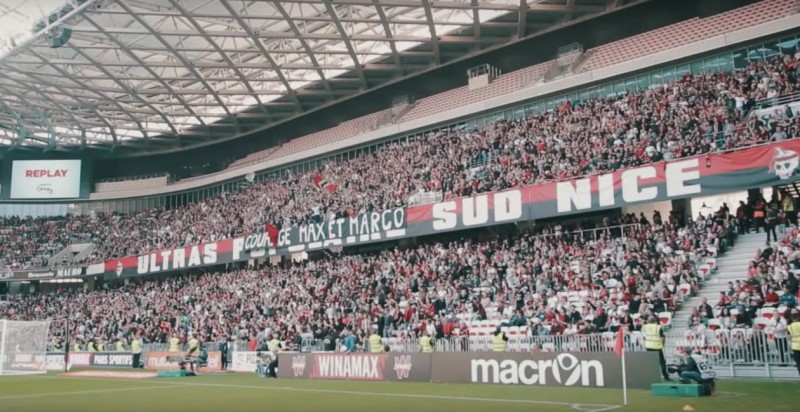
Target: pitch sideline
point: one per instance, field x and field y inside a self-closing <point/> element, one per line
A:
<point x="91" y="392"/>
<point x="583" y="407"/>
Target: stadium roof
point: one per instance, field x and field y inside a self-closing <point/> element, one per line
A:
<point x="143" y="73"/>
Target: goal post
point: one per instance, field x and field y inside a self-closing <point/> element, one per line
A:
<point x="23" y="347"/>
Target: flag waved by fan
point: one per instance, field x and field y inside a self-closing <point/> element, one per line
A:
<point x="324" y="183"/>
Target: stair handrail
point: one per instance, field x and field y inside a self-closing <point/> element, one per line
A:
<point x="768" y="102"/>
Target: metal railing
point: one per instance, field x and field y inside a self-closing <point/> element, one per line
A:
<point x="136" y="177"/>
<point x="722" y="347"/>
<point x="604" y="342"/>
<point x="776" y="101"/>
<point x="425" y="198"/>
<point x="306" y="346"/>
<point x="483" y="69"/>
<point x="617" y="231"/>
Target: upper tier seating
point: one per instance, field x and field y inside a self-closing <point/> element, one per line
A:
<point x="640" y="45"/>
<point x="575" y="139"/>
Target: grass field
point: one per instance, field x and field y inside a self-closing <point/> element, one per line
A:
<point x="232" y="393"/>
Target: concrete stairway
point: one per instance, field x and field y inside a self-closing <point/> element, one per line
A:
<point x="731" y="266"/>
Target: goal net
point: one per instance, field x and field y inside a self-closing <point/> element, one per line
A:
<point x="23" y="347"/>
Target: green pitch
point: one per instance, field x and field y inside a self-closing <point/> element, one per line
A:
<point x="233" y="393"/>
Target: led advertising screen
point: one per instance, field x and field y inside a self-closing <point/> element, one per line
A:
<point x="45" y="179"/>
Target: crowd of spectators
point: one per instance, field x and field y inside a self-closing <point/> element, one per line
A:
<point x="694" y="115"/>
<point x="748" y="321"/>
<point x="771" y="284"/>
<point x="441" y="288"/>
<point x="624" y="273"/>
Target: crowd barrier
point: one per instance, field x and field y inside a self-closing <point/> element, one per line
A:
<point x="734" y="346"/>
<point x="722" y="346"/>
<point x="564" y="369"/>
<point x="729" y="347"/>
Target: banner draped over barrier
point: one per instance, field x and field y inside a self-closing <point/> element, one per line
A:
<point x="762" y="166"/>
<point x="767" y="165"/>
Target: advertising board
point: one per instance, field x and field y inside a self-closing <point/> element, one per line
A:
<point x="244" y="362"/>
<point x="9" y="275"/>
<point x="415" y="367"/>
<point x="45" y="179"/>
<point x="562" y="369"/>
<point x="160" y="361"/>
<point x="123" y="360"/>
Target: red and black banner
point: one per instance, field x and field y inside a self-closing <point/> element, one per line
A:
<point x="763" y="166"/>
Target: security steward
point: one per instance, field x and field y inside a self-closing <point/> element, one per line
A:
<point x="697" y="369"/>
<point x="136" y="350"/>
<point x="499" y="340"/>
<point x="275" y="346"/>
<point x="426" y="343"/>
<point x="374" y="341"/>
<point x="794" y="334"/>
<point x="174" y="344"/>
<point x="194" y="346"/>
<point x="654" y="342"/>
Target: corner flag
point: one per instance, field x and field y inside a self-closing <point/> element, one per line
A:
<point x="619" y="350"/>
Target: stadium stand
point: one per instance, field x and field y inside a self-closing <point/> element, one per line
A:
<point x="131" y="184"/>
<point x="560" y="282"/>
<point x="753" y="310"/>
<point x="691" y="116"/>
<point x="461" y="96"/>
<point x="654" y="41"/>
<point x="462" y="288"/>
<point x="686" y="32"/>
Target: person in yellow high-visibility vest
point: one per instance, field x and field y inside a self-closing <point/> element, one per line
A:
<point x="794" y="335"/>
<point x="654" y="342"/>
<point x="499" y="340"/>
<point x="273" y="345"/>
<point x="174" y="344"/>
<point x="374" y="341"/>
<point x="426" y="343"/>
<point x="194" y="346"/>
<point x="787" y="206"/>
<point x="136" y="349"/>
